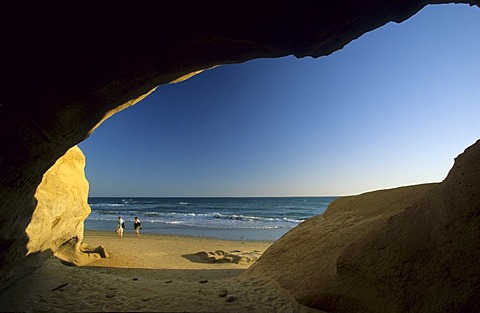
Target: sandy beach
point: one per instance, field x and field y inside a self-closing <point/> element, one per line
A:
<point x="155" y="273"/>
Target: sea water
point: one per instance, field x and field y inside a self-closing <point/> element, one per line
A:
<point x="225" y="218"/>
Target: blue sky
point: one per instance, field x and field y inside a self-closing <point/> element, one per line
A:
<point x="393" y="108"/>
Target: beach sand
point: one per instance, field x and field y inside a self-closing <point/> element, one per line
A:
<point x="155" y="273"/>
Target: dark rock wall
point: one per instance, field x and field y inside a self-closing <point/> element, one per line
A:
<point x="67" y="64"/>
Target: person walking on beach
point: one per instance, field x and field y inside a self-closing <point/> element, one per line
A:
<point x="137" y="226"/>
<point x="120" y="227"/>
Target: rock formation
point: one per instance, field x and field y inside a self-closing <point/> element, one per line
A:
<point x="56" y="225"/>
<point x="66" y="66"/>
<point x="410" y="249"/>
<point x="62" y="207"/>
<point x="220" y="256"/>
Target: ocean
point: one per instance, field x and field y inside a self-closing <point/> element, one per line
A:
<point x="263" y="219"/>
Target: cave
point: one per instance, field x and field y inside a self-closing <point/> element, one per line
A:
<point x="69" y="66"/>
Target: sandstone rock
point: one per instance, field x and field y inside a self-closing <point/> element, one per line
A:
<point x="100" y="250"/>
<point x="220" y="256"/>
<point x="412" y="249"/>
<point x="223" y="293"/>
<point x="94" y="252"/>
<point x="57" y="222"/>
<point x="231" y="298"/>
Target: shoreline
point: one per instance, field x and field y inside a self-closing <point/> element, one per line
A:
<point x="129" y="233"/>
<point x="152" y="273"/>
<point x="88" y="233"/>
<point x="235" y="234"/>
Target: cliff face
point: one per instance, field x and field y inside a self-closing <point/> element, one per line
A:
<point x="411" y="249"/>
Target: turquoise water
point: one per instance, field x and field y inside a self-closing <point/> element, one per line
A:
<point x="224" y="218"/>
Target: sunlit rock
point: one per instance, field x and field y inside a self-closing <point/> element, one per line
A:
<point x="62" y="207"/>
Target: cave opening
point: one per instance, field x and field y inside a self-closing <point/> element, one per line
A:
<point x="385" y="111"/>
<point x="458" y="119"/>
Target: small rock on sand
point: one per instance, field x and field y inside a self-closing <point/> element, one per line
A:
<point x="223" y="293"/>
<point x="231" y="298"/>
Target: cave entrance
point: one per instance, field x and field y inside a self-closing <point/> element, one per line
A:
<point x="385" y="111"/>
<point x="358" y="150"/>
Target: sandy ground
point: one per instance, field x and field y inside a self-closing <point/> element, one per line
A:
<point x="154" y="273"/>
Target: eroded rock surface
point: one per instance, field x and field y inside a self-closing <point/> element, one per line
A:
<point x="62" y="207"/>
<point x="410" y="249"/>
<point x="220" y="256"/>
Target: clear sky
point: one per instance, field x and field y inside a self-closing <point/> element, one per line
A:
<point x="393" y="108"/>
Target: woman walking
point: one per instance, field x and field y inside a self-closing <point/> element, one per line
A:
<point x="137" y="226"/>
<point x="120" y="227"/>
